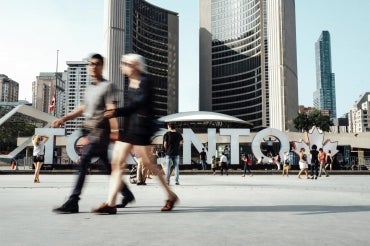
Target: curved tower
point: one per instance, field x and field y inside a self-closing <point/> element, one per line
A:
<point x="136" y="26"/>
<point x="248" y="61"/>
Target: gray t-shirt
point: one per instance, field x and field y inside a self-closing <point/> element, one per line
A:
<point x="95" y="99"/>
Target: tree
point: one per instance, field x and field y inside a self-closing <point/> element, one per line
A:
<point x="304" y="122"/>
<point x="9" y="132"/>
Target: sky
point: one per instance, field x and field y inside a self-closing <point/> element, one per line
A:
<point x="34" y="32"/>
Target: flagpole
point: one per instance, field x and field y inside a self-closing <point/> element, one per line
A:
<point x="56" y="81"/>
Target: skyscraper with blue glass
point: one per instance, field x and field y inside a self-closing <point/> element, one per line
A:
<point x="324" y="96"/>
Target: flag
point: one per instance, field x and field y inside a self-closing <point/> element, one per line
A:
<point x="52" y="104"/>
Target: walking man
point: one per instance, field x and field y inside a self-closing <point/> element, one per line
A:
<point x="98" y="130"/>
<point x="171" y="144"/>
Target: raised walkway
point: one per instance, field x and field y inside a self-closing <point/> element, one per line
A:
<point x="213" y="210"/>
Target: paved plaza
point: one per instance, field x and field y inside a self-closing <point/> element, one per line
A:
<point x="213" y="210"/>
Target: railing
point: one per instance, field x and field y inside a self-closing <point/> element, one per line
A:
<point x="359" y="163"/>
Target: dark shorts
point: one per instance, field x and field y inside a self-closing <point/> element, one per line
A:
<point x="135" y="139"/>
<point x="39" y="158"/>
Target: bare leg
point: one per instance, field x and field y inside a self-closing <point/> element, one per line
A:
<point x="144" y="152"/>
<point x="306" y="172"/>
<point x="37" y="171"/>
<point x="299" y="173"/>
<point x="120" y="152"/>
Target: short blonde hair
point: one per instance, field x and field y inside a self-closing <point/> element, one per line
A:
<point x="135" y="58"/>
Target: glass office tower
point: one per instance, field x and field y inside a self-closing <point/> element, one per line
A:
<point x="248" y="65"/>
<point x="324" y="96"/>
<point x="136" y="26"/>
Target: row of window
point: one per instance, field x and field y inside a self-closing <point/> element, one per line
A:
<point x="239" y="67"/>
<point x="150" y="11"/>
<point x="254" y="74"/>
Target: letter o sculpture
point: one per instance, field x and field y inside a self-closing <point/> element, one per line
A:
<point x="256" y="143"/>
<point x="71" y="145"/>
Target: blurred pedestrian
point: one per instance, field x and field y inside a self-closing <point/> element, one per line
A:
<point x="139" y="128"/>
<point x="97" y="129"/>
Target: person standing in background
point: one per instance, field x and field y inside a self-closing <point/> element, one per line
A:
<point x="329" y="162"/>
<point x="38" y="155"/>
<point x="171" y="144"/>
<point x="314" y="162"/>
<point x="214" y="165"/>
<point x="223" y="164"/>
<point x="286" y="165"/>
<point x="203" y="159"/>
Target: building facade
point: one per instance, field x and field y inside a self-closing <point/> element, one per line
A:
<point x="47" y="85"/>
<point x="76" y="83"/>
<point x="324" y="96"/>
<point x="359" y="117"/>
<point x="136" y="26"/>
<point x="248" y="61"/>
<point x="9" y="89"/>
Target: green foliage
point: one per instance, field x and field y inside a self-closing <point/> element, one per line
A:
<point x="304" y="122"/>
<point x="9" y="132"/>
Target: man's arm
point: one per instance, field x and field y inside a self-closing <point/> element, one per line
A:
<point x="70" y="116"/>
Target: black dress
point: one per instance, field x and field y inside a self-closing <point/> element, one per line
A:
<point x="139" y="124"/>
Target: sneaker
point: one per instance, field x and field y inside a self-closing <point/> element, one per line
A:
<point x="69" y="207"/>
<point x="126" y="200"/>
<point x="104" y="209"/>
<point x="177" y="183"/>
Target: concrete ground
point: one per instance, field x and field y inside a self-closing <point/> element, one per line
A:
<point x="213" y="210"/>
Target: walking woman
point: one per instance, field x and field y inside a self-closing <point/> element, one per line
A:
<point x="303" y="163"/>
<point x="138" y="129"/>
<point x="247" y="161"/>
<point x="38" y="154"/>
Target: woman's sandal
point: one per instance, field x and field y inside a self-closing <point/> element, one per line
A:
<point x="170" y="204"/>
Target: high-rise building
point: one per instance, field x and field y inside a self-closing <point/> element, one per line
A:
<point x="76" y="83"/>
<point x="324" y="96"/>
<point x="47" y="85"/>
<point x="9" y="89"/>
<point x="359" y="117"/>
<point x="136" y="26"/>
<point x="248" y="61"/>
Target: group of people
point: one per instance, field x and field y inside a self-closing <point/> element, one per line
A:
<point x="317" y="160"/>
<point x="101" y="127"/>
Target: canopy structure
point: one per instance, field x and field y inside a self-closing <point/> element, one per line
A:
<point x="199" y="121"/>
